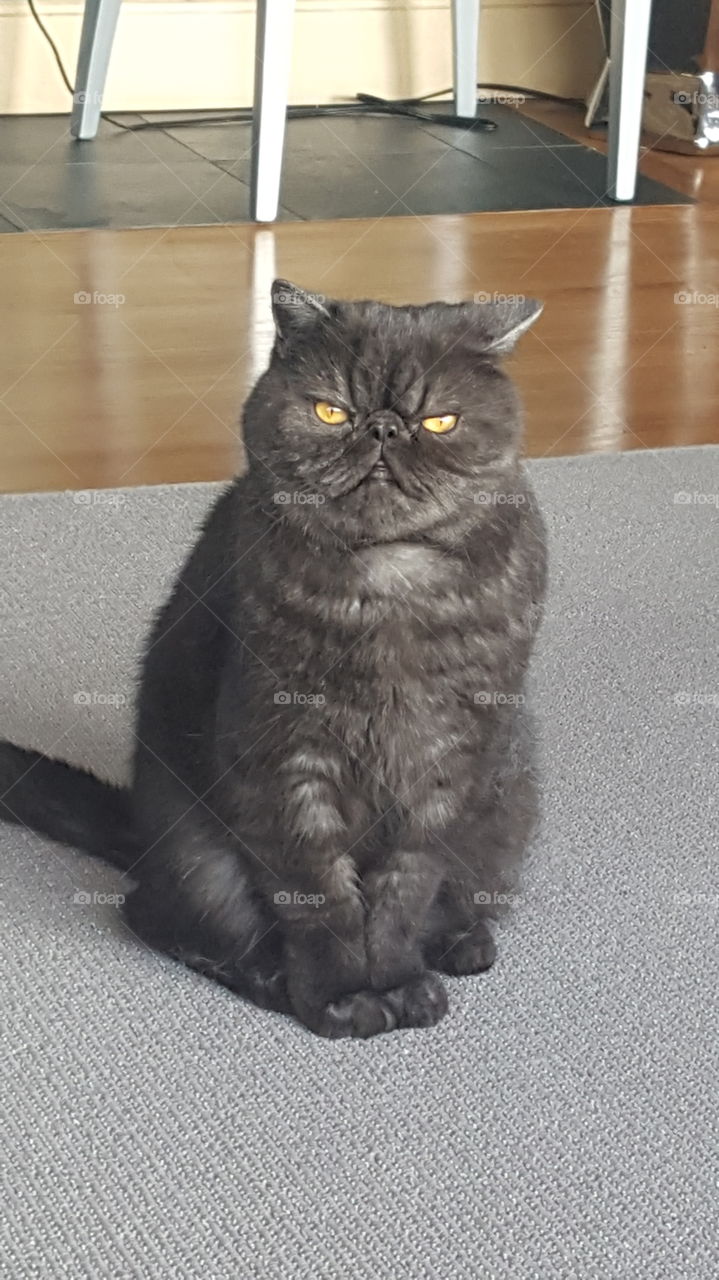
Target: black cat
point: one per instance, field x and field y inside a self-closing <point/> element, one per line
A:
<point x="332" y="784"/>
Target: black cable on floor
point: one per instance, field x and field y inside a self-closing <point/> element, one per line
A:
<point x="52" y="45"/>
<point x="368" y="105"/>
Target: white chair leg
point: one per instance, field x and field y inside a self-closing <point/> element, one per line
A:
<point x="627" y="70"/>
<point x="273" y="47"/>
<point x="465" y="37"/>
<point x="98" y="30"/>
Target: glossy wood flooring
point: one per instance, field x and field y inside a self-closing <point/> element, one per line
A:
<point x="143" y="382"/>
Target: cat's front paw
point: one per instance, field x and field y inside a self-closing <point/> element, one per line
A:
<point x="464" y="953"/>
<point x="419" y="1003"/>
<point x="422" y="1002"/>
<point x="360" y="1015"/>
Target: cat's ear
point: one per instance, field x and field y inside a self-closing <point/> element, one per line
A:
<point x="294" y="309"/>
<point x="504" y="321"/>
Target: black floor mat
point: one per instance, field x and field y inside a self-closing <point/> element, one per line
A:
<point x="333" y="168"/>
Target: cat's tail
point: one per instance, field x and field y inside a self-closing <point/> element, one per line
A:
<point x="67" y="804"/>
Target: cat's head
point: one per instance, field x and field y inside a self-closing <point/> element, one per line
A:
<point x="381" y="422"/>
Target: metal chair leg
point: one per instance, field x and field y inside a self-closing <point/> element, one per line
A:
<point x="273" y="46"/>
<point x="98" y="31"/>
<point x="465" y="36"/>
<point x="627" y="69"/>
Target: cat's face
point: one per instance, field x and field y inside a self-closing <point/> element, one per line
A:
<point x="378" y="421"/>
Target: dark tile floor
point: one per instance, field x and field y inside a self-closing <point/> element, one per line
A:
<point x="334" y="168"/>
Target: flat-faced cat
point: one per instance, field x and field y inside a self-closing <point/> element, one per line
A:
<point x="332" y="784"/>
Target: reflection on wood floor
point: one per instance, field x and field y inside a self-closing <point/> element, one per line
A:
<point x="127" y="354"/>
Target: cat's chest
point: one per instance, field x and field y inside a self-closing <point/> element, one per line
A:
<point x="398" y="569"/>
<point x="380" y="630"/>
<point x="383" y="605"/>
<point x="416" y="605"/>
<point x="400" y="595"/>
<point x="409" y="654"/>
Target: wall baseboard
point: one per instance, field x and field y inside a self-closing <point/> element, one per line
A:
<point x="170" y="54"/>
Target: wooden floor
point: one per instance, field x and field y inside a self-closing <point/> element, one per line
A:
<point x="144" y="383"/>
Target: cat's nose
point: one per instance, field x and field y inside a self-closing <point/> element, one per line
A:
<point x="384" y="427"/>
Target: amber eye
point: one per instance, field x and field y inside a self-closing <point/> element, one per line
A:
<point x="330" y="413"/>
<point x="445" y="422"/>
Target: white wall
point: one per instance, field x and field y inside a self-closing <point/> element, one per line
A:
<point x="199" y="53"/>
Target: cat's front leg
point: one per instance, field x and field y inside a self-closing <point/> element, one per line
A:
<point x="338" y="983"/>
<point x="326" y="958"/>
<point x="399" y="896"/>
<point x="458" y="935"/>
<point x="315" y="896"/>
<point x="329" y="970"/>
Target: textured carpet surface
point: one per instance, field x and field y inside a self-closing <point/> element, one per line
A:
<point x="562" y="1121"/>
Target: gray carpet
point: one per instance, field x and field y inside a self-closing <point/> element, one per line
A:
<point x="563" y="1120"/>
